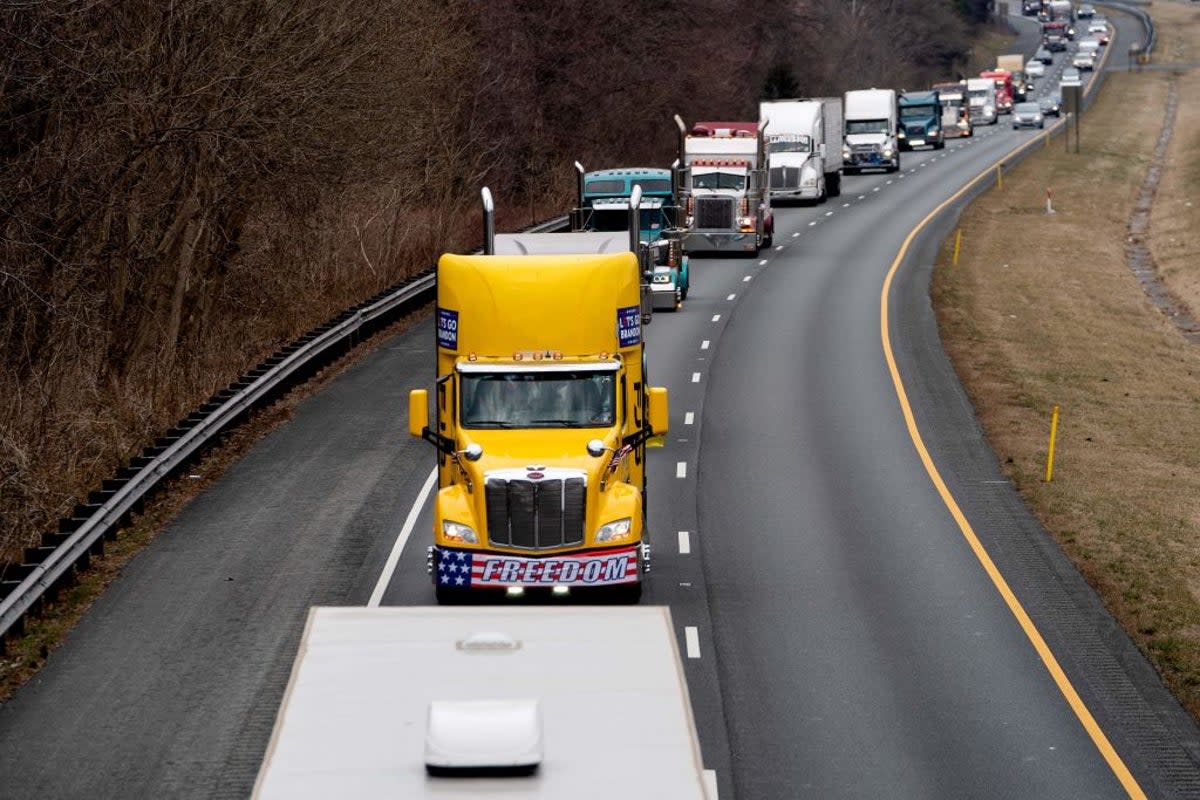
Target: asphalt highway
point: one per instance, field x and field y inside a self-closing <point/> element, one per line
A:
<point x="841" y="636"/>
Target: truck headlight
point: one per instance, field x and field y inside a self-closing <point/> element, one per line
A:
<point x="457" y="532"/>
<point x="933" y="131"/>
<point x="662" y="277"/>
<point x="887" y="152"/>
<point x="901" y="134"/>
<point x="845" y="153"/>
<point x="745" y="222"/>
<point x="615" y="531"/>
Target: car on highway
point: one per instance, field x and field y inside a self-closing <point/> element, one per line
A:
<point x="1028" y="115"/>
<point x="1051" y="105"/>
<point x="1044" y="55"/>
<point x="1035" y="69"/>
<point x="1083" y="61"/>
<point x="1071" y="77"/>
<point x="1089" y="45"/>
<point x="1097" y="26"/>
<point x="1085" y="11"/>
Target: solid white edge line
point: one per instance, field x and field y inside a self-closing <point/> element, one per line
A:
<point x="393" y="560"/>
<point x="691" y="640"/>
<point x="711" y="792"/>
<point x="689" y="418"/>
<point x="681" y="469"/>
<point x="685" y="543"/>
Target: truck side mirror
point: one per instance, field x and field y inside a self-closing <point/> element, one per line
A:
<point x="418" y="412"/>
<point x="658" y="412"/>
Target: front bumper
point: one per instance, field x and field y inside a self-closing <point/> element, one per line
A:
<point x="480" y="569"/>
<point x="1026" y="123"/>
<point x="720" y="241"/>
<point x="795" y="193"/>
<point x="664" y="295"/>
<point x="869" y="161"/>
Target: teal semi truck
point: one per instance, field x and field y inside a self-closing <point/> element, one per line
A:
<point x="920" y="121"/>
<point x="603" y="205"/>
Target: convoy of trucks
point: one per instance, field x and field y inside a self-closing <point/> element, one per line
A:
<point x="920" y="120"/>
<point x="801" y="147"/>
<point x="871" y="124"/>
<point x="541" y="412"/>
<point x="723" y="187"/>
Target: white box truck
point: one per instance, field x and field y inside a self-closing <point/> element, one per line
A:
<point x="802" y="139"/>
<point x="465" y="703"/>
<point x="870" y="138"/>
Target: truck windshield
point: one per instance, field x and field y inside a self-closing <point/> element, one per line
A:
<point x="789" y="143"/>
<point x="979" y="94"/>
<point x="651" y="219"/>
<point x="916" y="112"/>
<point x="550" y="399"/>
<point x="718" y="180"/>
<point x="866" y="126"/>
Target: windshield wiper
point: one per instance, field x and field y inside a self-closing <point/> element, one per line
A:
<point x="566" y="423"/>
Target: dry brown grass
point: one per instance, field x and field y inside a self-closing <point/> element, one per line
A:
<point x="1043" y="310"/>
<point x="1176" y="215"/>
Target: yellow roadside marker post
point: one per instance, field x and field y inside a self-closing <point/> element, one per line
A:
<point x="957" y="246"/>
<point x="1053" y="437"/>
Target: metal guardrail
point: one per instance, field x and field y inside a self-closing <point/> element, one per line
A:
<point x="82" y="535"/>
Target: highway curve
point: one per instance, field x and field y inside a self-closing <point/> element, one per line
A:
<point x="847" y="640"/>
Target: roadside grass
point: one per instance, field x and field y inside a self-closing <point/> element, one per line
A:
<point x="1043" y="310"/>
<point x="995" y="41"/>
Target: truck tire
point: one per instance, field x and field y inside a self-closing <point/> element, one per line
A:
<point x="833" y="185"/>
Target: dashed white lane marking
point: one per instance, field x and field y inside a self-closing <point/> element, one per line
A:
<point x="747" y="279"/>
<point x="393" y="560"/>
<point x="691" y="641"/>
<point x="710" y="784"/>
<point x="731" y="297"/>
<point x="814" y="222"/>
<point x="876" y="189"/>
<point x="763" y="263"/>
<point x="695" y="377"/>
<point x="889" y="183"/>
<point x="829" y="213"/>
<point x="681" y="469"/>
<point x="845" y="205"/>
<point x="794" y="235"/>
<point x="685" y="543"/>
<point x="716" y="318"/>
<point x="778" y="247"/>
<point x="862" y="197"/>
<point x="689" y="418"/>
<point x="704" y="345"/>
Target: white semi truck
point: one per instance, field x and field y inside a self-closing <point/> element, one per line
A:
<point x="870" y="135"/>
<point x="802" y="138"/>
<point x="981" y="101"/>
<point x="588" y="703"/>
<point x="723" y="187"/>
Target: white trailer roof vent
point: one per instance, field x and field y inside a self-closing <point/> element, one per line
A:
<point x="469" y="738"/>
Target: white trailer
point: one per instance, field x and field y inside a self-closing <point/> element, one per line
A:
<point x="801" y="157"/>
<point x="467" y="703"/>
<point x="871" y="122"/>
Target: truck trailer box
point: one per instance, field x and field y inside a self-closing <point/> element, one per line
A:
<point x="592" y="700"/>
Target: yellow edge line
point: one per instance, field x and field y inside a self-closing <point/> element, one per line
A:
<point x="1089" y="723"/>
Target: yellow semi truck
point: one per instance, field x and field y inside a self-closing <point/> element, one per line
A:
<point x="540" y="416"/>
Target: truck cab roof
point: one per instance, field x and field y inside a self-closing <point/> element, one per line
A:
<point x="919" y="98"/>
<point x="614" y="714"/>
<point x="725" y="129"/>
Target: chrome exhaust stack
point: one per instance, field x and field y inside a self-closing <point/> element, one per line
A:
<point x="489" y="222"/>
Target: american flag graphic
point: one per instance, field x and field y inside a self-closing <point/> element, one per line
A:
<point x="464" y="569"/>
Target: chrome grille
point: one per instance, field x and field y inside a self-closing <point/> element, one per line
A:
<point x="714" y="212"/>
<point x="785" y="177"/>
<point x="535" y="515"/>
